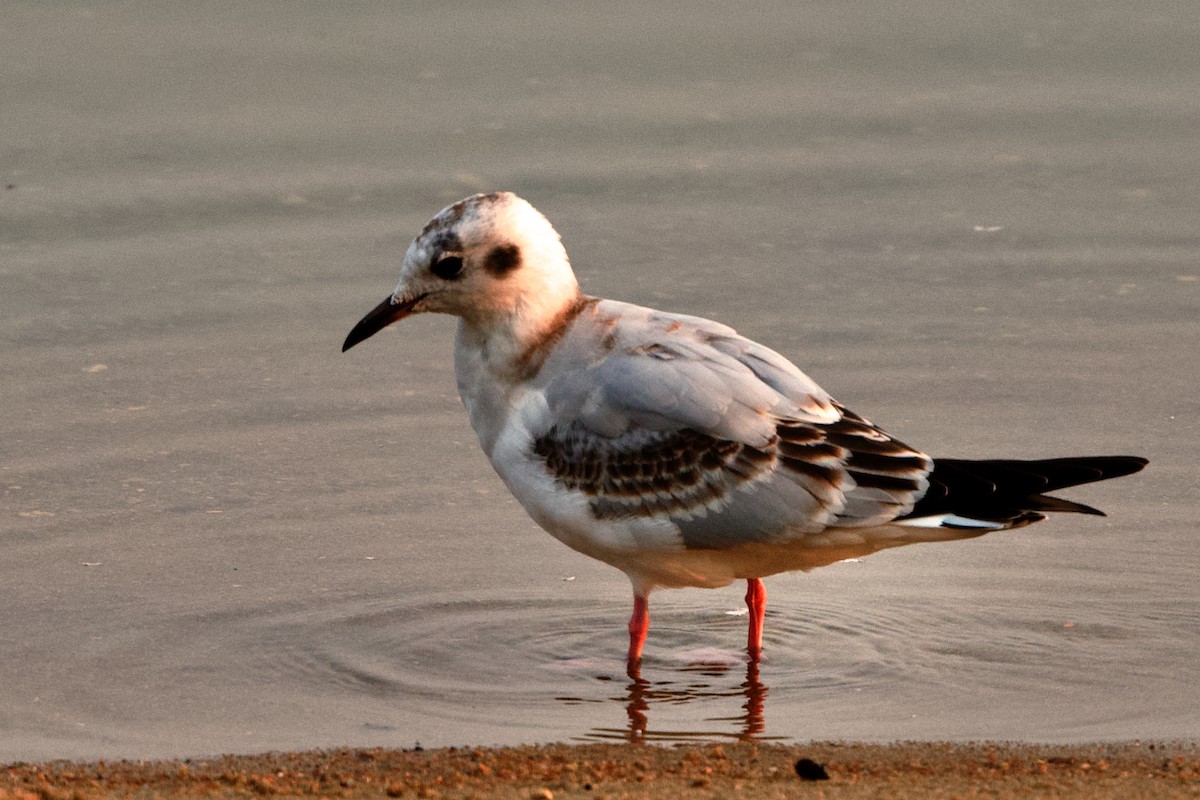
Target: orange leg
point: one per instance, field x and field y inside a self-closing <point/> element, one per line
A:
<point x="756" y="602"/>
<point x="639" y="623"/>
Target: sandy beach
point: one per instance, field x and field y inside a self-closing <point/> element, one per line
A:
<point x="609" y="772"/>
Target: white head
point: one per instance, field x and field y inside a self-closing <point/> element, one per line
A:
<point x="491" y="259"/>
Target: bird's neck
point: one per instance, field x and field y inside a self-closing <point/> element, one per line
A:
<point x="492" y="363"/>
<point x="509" y="346"/>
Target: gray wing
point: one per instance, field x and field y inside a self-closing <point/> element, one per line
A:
<point x="686" y="420"/>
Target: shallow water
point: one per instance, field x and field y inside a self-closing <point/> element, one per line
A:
<point x="220" y="534"/>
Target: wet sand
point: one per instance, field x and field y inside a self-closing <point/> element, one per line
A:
<point x="841" y="770"/>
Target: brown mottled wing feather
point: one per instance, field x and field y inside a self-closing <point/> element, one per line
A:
<point x="649" y="473"/>
<point x="878" y="477"/>
<point x="721" y="492"/>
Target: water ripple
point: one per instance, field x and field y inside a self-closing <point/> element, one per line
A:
<point x="511" y="669"/>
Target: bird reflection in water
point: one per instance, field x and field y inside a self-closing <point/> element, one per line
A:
<point x="698" y="680"/>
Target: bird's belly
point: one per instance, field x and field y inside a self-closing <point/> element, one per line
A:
<point x="711" y="568"/>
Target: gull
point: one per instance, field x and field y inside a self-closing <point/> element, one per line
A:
<point x="668" y="445"/>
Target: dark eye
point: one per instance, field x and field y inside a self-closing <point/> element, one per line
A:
<point x="448" y="267"/>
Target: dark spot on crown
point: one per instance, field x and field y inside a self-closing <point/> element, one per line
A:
<point x="503" y="259"/>
<point x="446" y="217"/>
<point x="447" y="242"/>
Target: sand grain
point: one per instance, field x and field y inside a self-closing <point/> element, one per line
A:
<point x="1131" y="770"/>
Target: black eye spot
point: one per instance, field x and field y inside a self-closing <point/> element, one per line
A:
<point x="503" y="259"/>
<point x="448" y="267"/>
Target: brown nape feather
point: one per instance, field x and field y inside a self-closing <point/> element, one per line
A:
<point x="1012" y="491"/>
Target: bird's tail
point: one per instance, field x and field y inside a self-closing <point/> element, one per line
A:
<point x="996" y="494"/>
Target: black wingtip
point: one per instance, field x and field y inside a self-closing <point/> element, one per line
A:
<point x="1045" y="502"/>
<point x="1130" y="464"/>
<point x="1005" y="489"/>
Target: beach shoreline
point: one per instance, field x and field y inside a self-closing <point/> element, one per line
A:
<point x="746" y="769"/>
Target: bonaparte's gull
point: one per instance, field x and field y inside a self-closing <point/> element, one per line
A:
<point x="671" y="447"/>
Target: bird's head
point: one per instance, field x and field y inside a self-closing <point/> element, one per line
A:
<point x="491" y="259"/>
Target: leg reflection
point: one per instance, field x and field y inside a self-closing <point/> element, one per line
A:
<point x="637" y="704"/>
<point x="640" y="693"/>
<point x="756" y="694"/>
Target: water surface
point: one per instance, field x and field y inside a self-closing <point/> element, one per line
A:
<point x="217" y="533"/>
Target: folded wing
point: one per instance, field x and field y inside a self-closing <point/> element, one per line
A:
<point x="686" y="420"/>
